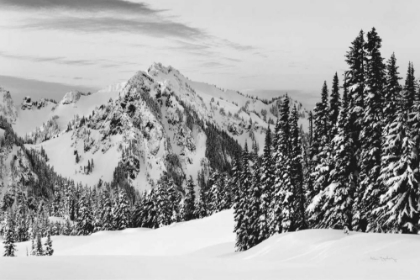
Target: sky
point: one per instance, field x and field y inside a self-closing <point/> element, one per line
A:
<point x="266" y="45"/>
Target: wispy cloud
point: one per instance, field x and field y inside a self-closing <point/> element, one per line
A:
<point x="236" y="46"/>
<point x="214" y="64"/>
<point x="84" y="5"/>
<point x="65" y="61"/>
<point x="146" y="26"/>
<point x="117" y="16"/>
<point x="104" y="16"/>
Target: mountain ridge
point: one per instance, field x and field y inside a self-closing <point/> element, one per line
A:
<point x="154" y="123"/>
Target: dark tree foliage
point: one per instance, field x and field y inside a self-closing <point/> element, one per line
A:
<point x="334" y="108"/>
<point x="220" y="148"/>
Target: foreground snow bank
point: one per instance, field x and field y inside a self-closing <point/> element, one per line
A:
<point x="204" y="249"/>
<point x="176" y="239"/>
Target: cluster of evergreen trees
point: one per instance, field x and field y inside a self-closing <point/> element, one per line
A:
<point x="22" y="223"/>
<point x="268" y="191"/>
<point x="365" y="151"/>
<point x="360" y="169"/>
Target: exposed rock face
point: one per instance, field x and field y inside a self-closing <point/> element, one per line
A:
<point x="7" y="108"/>
<point x="45" y="132"/>
<point x="72" y="97"/>
<point x="29" y="104"/>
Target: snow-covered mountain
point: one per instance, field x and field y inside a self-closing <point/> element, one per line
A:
<point x="157" y="122"/>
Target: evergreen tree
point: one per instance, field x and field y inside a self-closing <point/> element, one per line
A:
<point x="49" y="251"/>
<point x="68" y="228"/>
<point x="253" y="209"/>
<point x="410" y="87"/>
<point x="321" y="117"/>
<point x="203" y="201"/>
<point x="215" y="195"/>
<point x="226" y="196"/>
<point x="174" y="198"/>
<point x="240" y="208"/>
<point x="392" y="90"/>
<point x="322" y="162"/>
<point x="106" y="211"/>
<point x="9" y="238"/>
<point x="296" y="161"/>
<point x="39" y="251"/>
<point x="85" y="221"/>
<point x="366" y="196"/>
<point x="33" y="247"/>
<point x="338" y="196"/>
<point x="282" y="205"/>
<point x="267" y="182"/>
<point x="121" y="210"/>
<point x="189" y="201"/>
<point x="163" y="205"/>
<point x="398" y="210"/>
<point x="355" y="82"/>
<point x="334" y="108"/>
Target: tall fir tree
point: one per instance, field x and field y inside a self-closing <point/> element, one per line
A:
<point x="9" y="237"/>
<point x="267" y="182"/>
<point x="39" y="251"/>
<point x="216" y="196"/>
<point x="203" y="199"/>
<point x="253" y="209"/>
<point x="366" y="196"/>
<point x="322" y="160"/>
<point x="337" y="198"/>
<point x="121" y="210"/>
<point x="281" y="219"/>
<point x="334" y="108"/>
<point x="398" y="210"/>
<point x="85" y="221"/>
<point x="355" y="82"/>
<point x="240" y="209"/>
<point x="106" y="211"/>
<point x="296" y="161"/>
<point x="163" y="205"/>
<point x="189" y="201"/>
<point x="410" y="88"/>
<point x="49" y="251"/>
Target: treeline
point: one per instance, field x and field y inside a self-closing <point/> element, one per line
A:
<point x="78" y="210"/>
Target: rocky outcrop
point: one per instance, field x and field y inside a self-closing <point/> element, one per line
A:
<point x="7" y="108"/>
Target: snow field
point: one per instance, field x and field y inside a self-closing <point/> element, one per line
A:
<point x="204" y="249"/>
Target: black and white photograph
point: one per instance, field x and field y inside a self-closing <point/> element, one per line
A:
<point x="209" y="139"/>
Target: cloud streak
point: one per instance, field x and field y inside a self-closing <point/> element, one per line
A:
<point x="116" y="16"/>
<point x="146" y="26"/>
<point x="104" y="16"/>
<point x="84" y="5"/>
<point x="61" y="60"/>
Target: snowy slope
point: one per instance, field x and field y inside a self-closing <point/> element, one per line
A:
<point x="32" y="119"/>
<point x="238" y="108"/>
<point x="204" y="249"/>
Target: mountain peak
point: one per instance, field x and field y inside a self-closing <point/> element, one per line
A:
<point x="72" y="97"/>
<point x="158" y="67"/>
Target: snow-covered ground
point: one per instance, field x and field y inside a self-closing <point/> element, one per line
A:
<point x="204" y="249"/>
